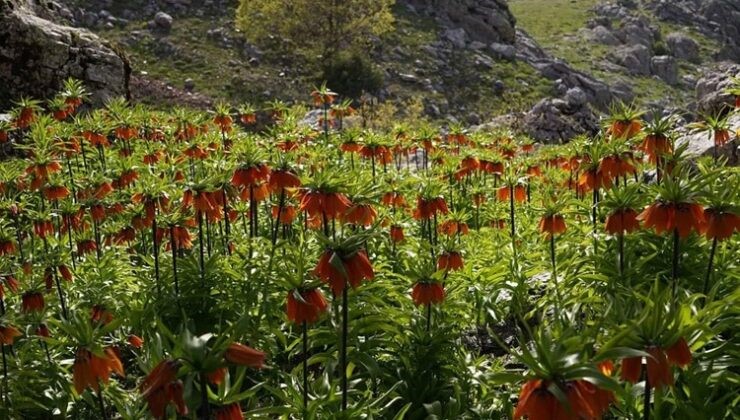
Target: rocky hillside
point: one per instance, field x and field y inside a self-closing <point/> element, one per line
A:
<point x="37" y="55"/>
<point x="466" y="61"/>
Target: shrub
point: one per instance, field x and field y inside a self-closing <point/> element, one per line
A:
<point x="351" y="74"/>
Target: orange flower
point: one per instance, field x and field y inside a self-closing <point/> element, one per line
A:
<point x="281" y="179"/>
<point x="622" y="221"/>
<point x="470" y="163"/>
<point x="55" y="192"/>
<point x="679" y="354"/>
<point x="350" y="147"/>
<point x="427" y="293"/>
<point x="7" y="246"/>
<point x="552" y="224"/>
<point x="534" y="170"/>
<point x="655" y="145"/>
<point x="89" y="369"/>
<point x="86" y="246"/>
<point x="451" y="260"/>
<point x="720" y="224"/>
<point x="658" y="370"/>
<point x="665" y="217"/>
<point x="287" y="214"/>
<point x="335" y="204"/>
<point x="393" y="199"/>
<point x="721" y="137"/>
<point x="248" y="119"/>
<point x="217" y="376"/>
<point x="32" y="302"/>
<point x="240" y="354"/>
<point x="307" y="308"/>
<point x="594" y="178"/>
<point x="8" y="334"/>
<point x="585" y="401"/>
<point x="361" y="215"/>
<point x="396" y="233"/>
<point x="229" y="412"/>
<point x="626" y="129"/>
<point x="135" y="341"/>
<point x="160" y="387"/>
<point x="251" y="175"/>
<point x="223" y="122"/>
<point x="504" y="193"/>
<point x="452" y="227"/>
<point x="355" y="268"/>
<point x="631" y="368"/>
<point x="428" y="208"/>
<point x="100" y="315"/>
<point x="43" y="228"/>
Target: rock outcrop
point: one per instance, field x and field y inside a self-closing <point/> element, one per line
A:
<point x="37" y="55"/>
<point x="597" y="92"/>
<point x="485" y="21"/>
<point x="719" y="19"/>
<point x="560" y="120"/>
<point x="701" y="144"/>
<point x="711" y="89"/>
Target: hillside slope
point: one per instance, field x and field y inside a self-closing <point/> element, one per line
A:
<point x="466" y="61"/>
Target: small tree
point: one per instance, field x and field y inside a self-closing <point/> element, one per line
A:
<point x="320" y="26"/>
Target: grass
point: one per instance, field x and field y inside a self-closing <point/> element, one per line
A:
<point x="225" y="73"/>
<point x="555" y="24"/>
<point x="216" y="71"/>
<point x="547" y="20"/>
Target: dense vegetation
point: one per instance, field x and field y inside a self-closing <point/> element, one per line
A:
<point x="237" y="264"/>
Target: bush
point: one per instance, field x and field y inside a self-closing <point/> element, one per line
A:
<point x="351" y="74"/>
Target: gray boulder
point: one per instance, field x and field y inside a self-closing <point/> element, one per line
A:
<point x="602" y="35"/>
<point x="711" y="95"/>
<point x="485" y="21"/>
<point x="163" y="21"/>
<point x="682" y="46"/>
<point x="558" y="121"/>
<point x="457" y="37"/>
<point x="576" y="97"/>
<point x="665" y="67"/>
<point x="503" y="51"/>
<point x="37" y="55"/>
<point x="638" y="31"/>
<point x="700" y="144"/>
<point x="598" y="93"/>
<point x="635" y="58"/>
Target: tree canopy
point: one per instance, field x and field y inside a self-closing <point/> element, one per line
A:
<point x="320" y="26"/>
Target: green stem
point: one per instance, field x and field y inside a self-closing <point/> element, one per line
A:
<point x="710" y="266"/>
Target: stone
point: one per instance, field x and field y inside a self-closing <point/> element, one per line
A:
<point x="635" y="58"/>
<point x="408" y="78"/>
<point x="665" y="67"/>
<point x="457" y="37"/>
<point x="602" y="35"/>
<point x="598" y="93"/>
<point x="557" y="121"/>
<point x="711" y="88"/>
<point x="499" y="87"/>
<point x="700" y="144"/>
<point x="477" y="45"/>
<point x="486" y="21"/>
<point x="638" y="31"/>
<point x="682" y="47"/>
<point x="163" y="20"/>
<point x="38" y="55"/>
<point x="576" y="97"/>
<point x="503" y="51"/>
<point x="473" y="119"/>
